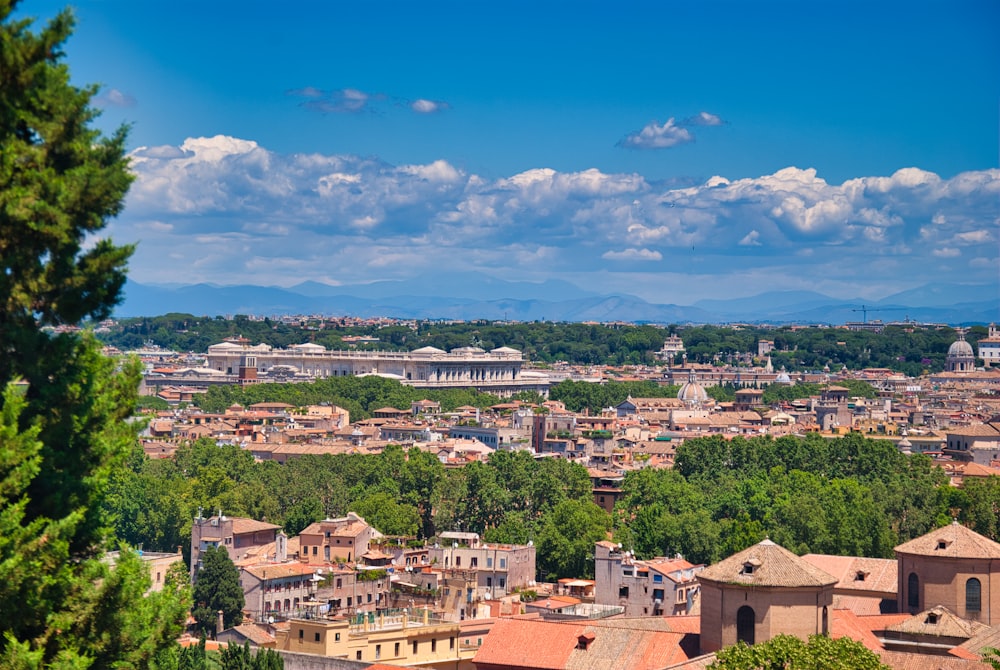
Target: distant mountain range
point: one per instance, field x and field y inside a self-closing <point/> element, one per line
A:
<point x="469" y="296"/>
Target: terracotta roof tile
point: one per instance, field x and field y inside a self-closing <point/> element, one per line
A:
<point x="951" y="541"/>
<point x="241" y="526"/>
<point x="770" y="565"/>
<point x="531" y="643"/>
<point x="879" y="574"/>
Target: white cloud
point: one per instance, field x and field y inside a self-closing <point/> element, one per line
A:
<point x="947" y="252"/>
<point x="703" y="119"/>
<point x="342" y="215"/>
<point x="633" y="255"/>
<point x="656" y="136"/>
<point x="424" y="106"/>
<point x="112" y="97"/>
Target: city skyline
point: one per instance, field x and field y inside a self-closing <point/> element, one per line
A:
<point x="656" y="149"/>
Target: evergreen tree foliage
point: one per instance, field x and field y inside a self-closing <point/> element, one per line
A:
<point x="217" y="587"/>
<point x="785" y="652"/>
<point x="63" y="427"/>
<point x="236" y="657"/>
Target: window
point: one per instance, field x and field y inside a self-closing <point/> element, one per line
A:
<point x="489" y="582"/>
<point x="458" y="561"/>
<point x="336" y="637"/>
<point x="395" y="650"/>
<point x="658" y="594"/>
<point x="913" y="591"/>
<point x="503" y="563"/>
<point x="657" y="579"/>
<point x="489" y="561"/>
<point x="302" y="633"/>
<point x="315" y="550"/>
<point x="623" y="592"/>
<point x="973" y="595"/>
<point x="434" y="646"/>
<point x="475" y="562"/>
<point x="316" y="637"/>
<point x="378" y="651"/>
<point x="414" y="646"/>
<point x="503" y="583"/>
<point x="358" y="655"/>
<point x="745" y="625"/>
<point x="339" y="582"/>
<point x="451" y="643"/>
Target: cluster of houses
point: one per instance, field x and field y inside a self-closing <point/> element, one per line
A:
<point x="341" y="595"/>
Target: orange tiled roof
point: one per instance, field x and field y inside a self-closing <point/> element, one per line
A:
<point x="951" y="541"/>
<point x="528" y="643"/>
<point x="241" y="525"/>
<point x="773" y="565"/>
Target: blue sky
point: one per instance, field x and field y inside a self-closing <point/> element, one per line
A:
<point x="675" y="151"/>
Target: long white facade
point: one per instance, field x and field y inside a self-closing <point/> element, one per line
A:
<point x="497" y="371"/>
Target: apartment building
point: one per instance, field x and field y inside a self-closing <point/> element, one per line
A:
<point x="655" y="587"/>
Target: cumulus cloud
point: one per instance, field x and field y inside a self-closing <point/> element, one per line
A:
<point x="633" y="255"/>
<point x="670" y="134"/>
<point x="656" y="136"/>
<point x="112" y="97"/>
<point x="360" y="219"/>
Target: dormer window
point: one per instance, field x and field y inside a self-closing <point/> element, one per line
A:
<point x="860" y="576"/>
<point x="932" y="618"/>
<point x="750" y="566"/>
<point x="583" y="641"/>
<point x="942" y="544"/>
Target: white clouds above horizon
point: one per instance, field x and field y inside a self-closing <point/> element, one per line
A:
<point x="240" y="213"/>
<point x="670" y="134"/>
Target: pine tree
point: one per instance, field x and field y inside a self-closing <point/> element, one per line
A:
<point x="217" y="587"/>
<point x="64" y="406"/>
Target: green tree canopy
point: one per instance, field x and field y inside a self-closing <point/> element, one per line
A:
<point x="786" y="652"/>
<point x="64" y="432"/>
<point x="217" y="587"/>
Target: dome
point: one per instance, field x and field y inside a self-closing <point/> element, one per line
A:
<point x="960" y="348"/>
<point x="783" y="377"/>
<point x="692" y="393"/>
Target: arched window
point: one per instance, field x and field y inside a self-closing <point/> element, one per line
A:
<point x="913" y="591"/>
<point x="826" y="621"/>
<point x="973" y="595"/>
<point x="745" y="625"/>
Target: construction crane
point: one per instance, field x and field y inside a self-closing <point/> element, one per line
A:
<point x="864" y="309"/>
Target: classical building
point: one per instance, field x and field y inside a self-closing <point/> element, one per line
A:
<point x="497" y="371"/>
<point x="960" y="357"/>
<point x="672" y="346"/>
<point x="953" y="567"/>
<point x="761" y="592"/>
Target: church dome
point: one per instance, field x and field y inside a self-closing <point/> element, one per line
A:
<point x="692" y="393"/>
<point x="960" y="348"/>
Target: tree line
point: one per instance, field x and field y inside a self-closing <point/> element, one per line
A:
<point x="848" y="495"/>
<point x="907" y="349"/>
